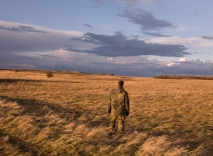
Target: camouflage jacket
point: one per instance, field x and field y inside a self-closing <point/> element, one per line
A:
<point x="118" y="102"/>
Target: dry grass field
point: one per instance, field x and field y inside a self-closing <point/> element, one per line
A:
<point x="66" y="115"/>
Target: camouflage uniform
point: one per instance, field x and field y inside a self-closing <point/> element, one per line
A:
<point x="118" y="107"/>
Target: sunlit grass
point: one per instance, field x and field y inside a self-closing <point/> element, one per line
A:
<point x="66" y="115"/>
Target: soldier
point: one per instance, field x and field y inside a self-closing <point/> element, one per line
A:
<point x="118" y="107"/>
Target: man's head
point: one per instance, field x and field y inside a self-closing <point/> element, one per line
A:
<point x="120" y="83"/>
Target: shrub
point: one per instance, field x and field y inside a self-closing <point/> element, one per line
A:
<point x="102" y="74"/>
<point x="17" y="70"/>
<point x="49" y="73"/>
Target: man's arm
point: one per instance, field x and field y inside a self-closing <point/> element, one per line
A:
<point x="126" y="100"/>
<point x="109" y="104"/>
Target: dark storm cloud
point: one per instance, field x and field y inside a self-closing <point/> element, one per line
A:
<point x="155" y="34"/>
<point x="146" y="20"/>
<point x="119" y="45"/>
<point x="87" y="25"/>
<point x="22" y="28"/>
<point x="207" y="37"/>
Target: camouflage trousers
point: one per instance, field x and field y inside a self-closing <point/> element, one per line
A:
<point x="120" y="122"/>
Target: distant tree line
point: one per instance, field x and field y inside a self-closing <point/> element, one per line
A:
<point x="174" y="76"/>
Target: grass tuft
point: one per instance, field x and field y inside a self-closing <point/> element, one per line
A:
<point x="49" y="74"/>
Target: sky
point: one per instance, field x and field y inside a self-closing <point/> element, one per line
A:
<point x="122" y="37"/>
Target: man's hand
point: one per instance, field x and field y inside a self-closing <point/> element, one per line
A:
<point x="109" y="111"/>
<point x="127" y="113"/>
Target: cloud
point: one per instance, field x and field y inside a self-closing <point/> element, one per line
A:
<point x="190" y="42"/>
<point x="171" y="64"/>
<point x="127" y="1"/>
<point x="87" y="25"/>
<point x="155" y="34"/>
<point x="16" y="37"/>
<point x="193" y="67"/>
<point x="207" y="37"/>
<point x="182" y="59"/>
<point x="146" y="20"/>
<point x="22" y="28"/>
<point x="147" y="1"/>
<point x="120" y="45"/>
<point x="128" y="66"/>
<point x="186" y="28"/>
<point x="72" y="61"/>
<point x="97" y="1"/>
<point x="209" y="61"/>
<point x="30" y="46"/>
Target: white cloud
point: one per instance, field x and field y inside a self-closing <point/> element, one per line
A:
<point x="171" y="64"/>
<point x="209" y="61"/>
<point x="191" y="42"/>
<point x="186" y="28"/>
<point x="182" y="60"/>
<point x="176" y="63"/>
<point x="110" y="59"/>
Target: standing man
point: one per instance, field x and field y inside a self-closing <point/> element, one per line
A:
<point x="118" y="107"/>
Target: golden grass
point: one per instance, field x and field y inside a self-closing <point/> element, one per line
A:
<point x="66" y="115"/>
